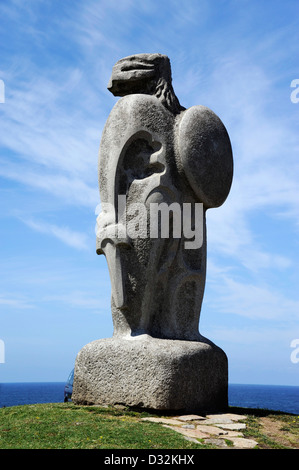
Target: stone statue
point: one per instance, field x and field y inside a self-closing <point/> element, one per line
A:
<point x="161" y="167"/>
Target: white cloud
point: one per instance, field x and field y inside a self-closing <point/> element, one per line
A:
<point x="84" y="299"/>
<point x="251" y="336"/>
<point x="14" y="302"/>
<point x="265" y="146"/>
<point x="70" y="190"/>
<point x="69" y="237"/>
<point x="232" y="234"/>
<point x="51" y="131"/>
<point x="256" y="300"/>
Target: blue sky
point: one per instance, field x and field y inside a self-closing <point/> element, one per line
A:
<point x="238" y="57"/>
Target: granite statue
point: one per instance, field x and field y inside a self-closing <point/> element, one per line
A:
<point x="161" y="167"/>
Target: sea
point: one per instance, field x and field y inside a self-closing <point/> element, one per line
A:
<point x="271" y="397"/>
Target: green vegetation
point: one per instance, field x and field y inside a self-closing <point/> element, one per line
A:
<point x="66" y="426"/>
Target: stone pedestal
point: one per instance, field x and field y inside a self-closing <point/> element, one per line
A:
<point x="152" y="373"/>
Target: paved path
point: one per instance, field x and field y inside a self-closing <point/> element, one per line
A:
<point x="213" y="429"/>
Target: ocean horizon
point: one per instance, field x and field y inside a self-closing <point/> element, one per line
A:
<point x="283" y="398"/>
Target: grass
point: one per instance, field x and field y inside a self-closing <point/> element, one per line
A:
<point x="66" y="426"/>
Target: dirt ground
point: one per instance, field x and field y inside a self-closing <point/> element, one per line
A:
<point x="280" y="432"/>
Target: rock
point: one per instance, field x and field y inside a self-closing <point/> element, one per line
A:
<point x="213" y="434"/>
<point x="151" y="373"/>
<point x="162" y="420"/>
<point x="233" y="427"/>
<point x="190" y="418"/>
<point x="243" y="443"/>
<point x="232" y="434"/>
<point x="218" y="420"/>
<point x="194" y="433"/>
<point x="216" y="442"/>
<point x="231" y="416"/>
<point x="208" y="429"/>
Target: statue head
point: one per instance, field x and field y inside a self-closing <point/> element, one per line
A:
<point x="146" y="74"/>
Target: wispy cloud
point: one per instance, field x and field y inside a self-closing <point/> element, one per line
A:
<point x="266" y="170"/>
<point x="66" y="189"/>
<point x="67" y="236"/>
<point x="83" y="299"/>
<point x="256" y="299"/>
<point x="14" y="302"/>
<point x="51" y="138"/>
<point x="250" y="336"/>
<point x="253" y="301"/>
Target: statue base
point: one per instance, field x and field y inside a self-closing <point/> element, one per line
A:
<point x="151" y="373"/>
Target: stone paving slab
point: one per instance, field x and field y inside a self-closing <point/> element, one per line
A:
<point x="243" y="443"/>
<point x="193" y="433"/>
<point x="211" y="429"/>
<point x="218" y="420"/>
<point x="190" y="418"/>
<point x="231" y="434"/>
<point x="232" y="416"/>
<point x="216" y="442"/>
<point x="163" y="420"/>
<point x="232" y="427"/>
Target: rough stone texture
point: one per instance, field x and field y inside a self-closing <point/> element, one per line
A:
<point x="218" y="420"/>
<point x="191" y="418"/>
<point x="216" y="442"/>
<point x="160" y="374"/>
<point x="155" y="151"/>
<point x="209" y="429"/>
<point x="190" y="433"/>
<point x="208" y="432"/>
<point x="233" y="427"/>
<point x="221" y="416"/>
<point x="242" y="443"/>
